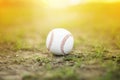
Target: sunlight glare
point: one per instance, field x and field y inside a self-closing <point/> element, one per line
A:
<point x="61" y="3"/>
<point x="75" y="2"/>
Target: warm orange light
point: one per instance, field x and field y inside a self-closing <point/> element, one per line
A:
<point x="61" y="3"/>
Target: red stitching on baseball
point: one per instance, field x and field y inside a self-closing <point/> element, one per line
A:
<point x="63" y="42"/>
<point x="51" y="40"/>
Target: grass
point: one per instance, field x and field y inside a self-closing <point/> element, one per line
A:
<point x="89" y="60"/>
<point x="95" y="56"/>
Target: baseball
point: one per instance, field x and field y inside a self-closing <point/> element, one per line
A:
<point x="59" y="41"/>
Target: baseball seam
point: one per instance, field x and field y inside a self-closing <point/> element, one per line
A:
<point x="51" y="40"/>
<point x="63" y="43"/>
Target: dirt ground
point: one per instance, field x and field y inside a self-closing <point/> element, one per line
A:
<point x="91" y="59"/>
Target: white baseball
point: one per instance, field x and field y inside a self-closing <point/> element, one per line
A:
<point x="59" y="41"/>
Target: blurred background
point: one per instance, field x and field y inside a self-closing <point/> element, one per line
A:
<point x="24" y="25"/>
<point x="30" y="20"/>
